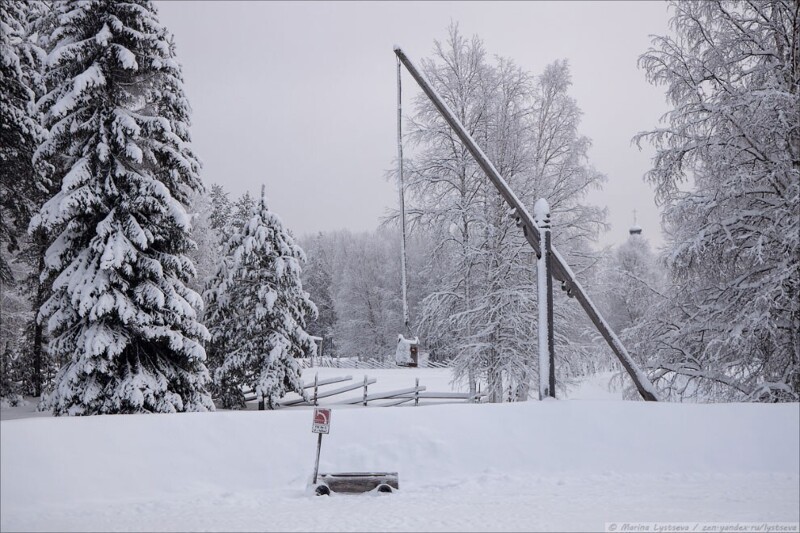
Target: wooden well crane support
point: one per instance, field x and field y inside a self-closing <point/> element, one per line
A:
<point x="560" y="269"/>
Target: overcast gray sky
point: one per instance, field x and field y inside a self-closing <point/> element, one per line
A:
<point x="301" y="95"/>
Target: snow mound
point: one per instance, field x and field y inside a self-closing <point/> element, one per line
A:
<point x="132" y="455"/>
<point x="51" y="465"/>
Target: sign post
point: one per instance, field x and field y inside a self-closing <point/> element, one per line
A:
<point x="321" y="424"/>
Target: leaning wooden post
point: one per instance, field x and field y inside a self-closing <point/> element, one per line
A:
<point x="547" y="370"/>
<point x="401" y="188"/>
<point x="366" y="384"/>
<point x="316" y="387"/>
<point x="416" y="393"/>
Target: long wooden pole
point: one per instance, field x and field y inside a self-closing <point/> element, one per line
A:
<point x="560" y="270"/>
<point x="401" y="187"/>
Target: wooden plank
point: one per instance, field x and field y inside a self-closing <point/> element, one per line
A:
<point x="334" y="392"/>
<point x="444" y="395"/>
<point x="329" y="381"/>
<point x="250" y="395"/>
<point x="357" y="482"/>
<point x="401" y="401"/>
<point x="383" y="395"/>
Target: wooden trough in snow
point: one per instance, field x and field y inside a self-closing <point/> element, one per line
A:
<point x="357" y="482"/>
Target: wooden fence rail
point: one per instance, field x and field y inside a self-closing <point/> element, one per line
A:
<point x="328" y="393"/>
<point x="367" y="364"/>
<point x="395" y="397"/>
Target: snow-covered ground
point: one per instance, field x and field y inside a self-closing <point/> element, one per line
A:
<point x="557" y="465"/>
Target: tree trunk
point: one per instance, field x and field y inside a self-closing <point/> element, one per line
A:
<point x="38" y="335"/>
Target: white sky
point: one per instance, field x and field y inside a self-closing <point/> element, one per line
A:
<point x="301" y="95"/>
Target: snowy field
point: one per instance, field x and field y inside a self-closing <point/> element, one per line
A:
<point x="565" y="465"/>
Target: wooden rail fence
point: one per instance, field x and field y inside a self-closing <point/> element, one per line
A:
<point x="393" y="398"/>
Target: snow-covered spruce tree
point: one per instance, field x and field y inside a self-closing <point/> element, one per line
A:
<point x="221" y="208"/>
<point x="257" y="311"/>
<point x="732" y="331"/>
<point x="242" y="210"/>
<point x="20" y="133"/>
<point x="23" y="189"/>
<point x="122" y="319"/>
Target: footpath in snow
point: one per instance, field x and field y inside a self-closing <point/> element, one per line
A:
<point x="558" y="465"/>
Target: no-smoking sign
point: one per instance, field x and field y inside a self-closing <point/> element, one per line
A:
<point x="322" y="421"/>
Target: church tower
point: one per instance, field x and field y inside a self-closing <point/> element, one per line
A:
<point x="636" y="229"/>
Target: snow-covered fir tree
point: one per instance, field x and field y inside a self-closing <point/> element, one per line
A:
<point x="732" y="76"/>
<point x="20" y="132"/>
<point x="23" y="189"/>
<point x="123" y="321"/>
<point x="241" y="212"/>
<point x="221" y="208"/>
<point x="257" y="312"/>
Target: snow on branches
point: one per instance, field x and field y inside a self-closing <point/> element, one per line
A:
<point x="482" y="310"/>
<point x="123" y="321"/>
<point x="730" y="330"/>
<point x="257" y="312"/>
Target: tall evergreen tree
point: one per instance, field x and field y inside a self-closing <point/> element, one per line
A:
<point x="20" y="133"/>
<point x="221" y="208"/>
<point x="121" y="315"/>
<point x="257" y="299"/>
<point x="241" y="212"/>
<point x="22" y="188"/>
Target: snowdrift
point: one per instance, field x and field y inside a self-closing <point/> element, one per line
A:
<point x="538" y="466"/>
<point x="68" y="460"/>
